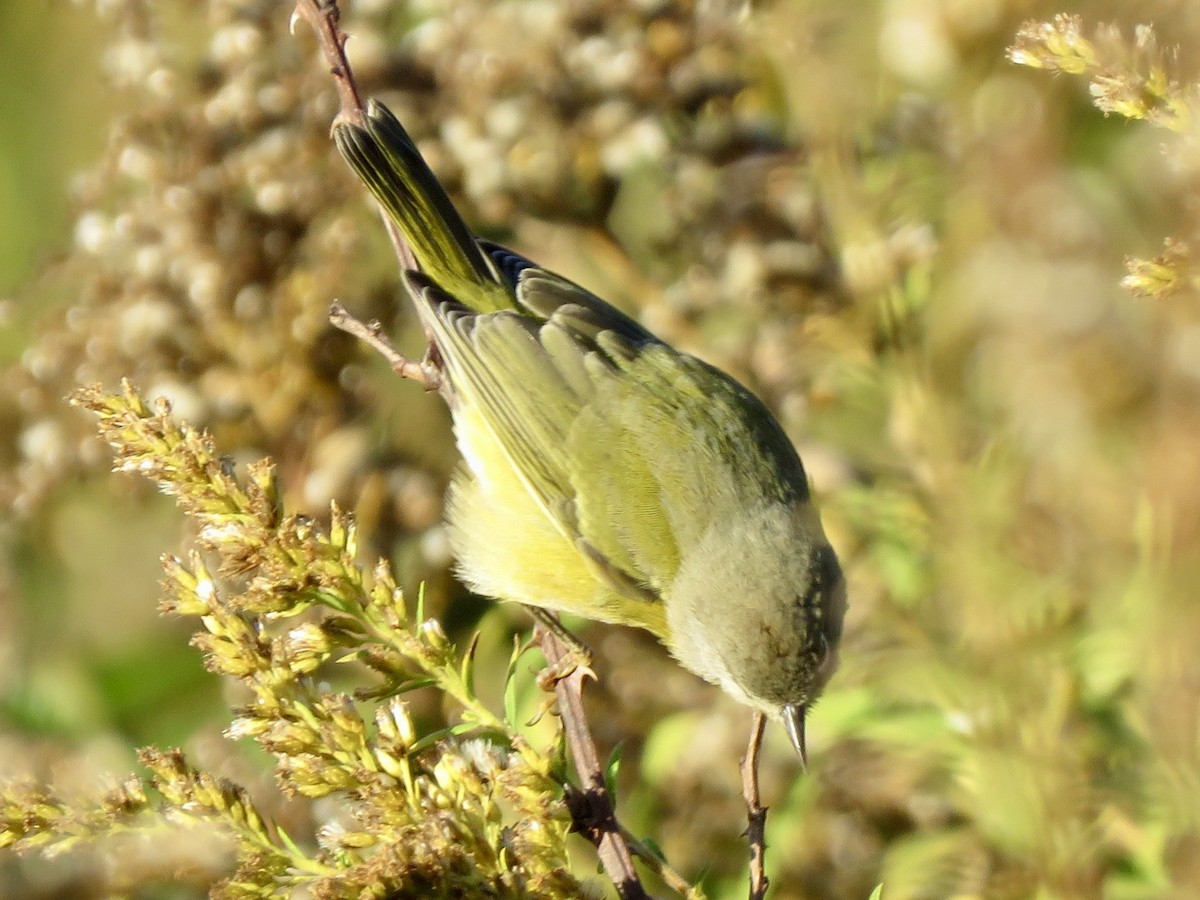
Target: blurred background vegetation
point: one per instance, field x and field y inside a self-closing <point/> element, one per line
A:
<point x="911" y="248"/>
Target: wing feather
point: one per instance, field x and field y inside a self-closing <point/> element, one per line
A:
<point x="534" y="375"/>
<point x="630" y="448"/>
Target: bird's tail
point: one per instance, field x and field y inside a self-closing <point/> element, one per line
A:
<point x="385" y="158"/>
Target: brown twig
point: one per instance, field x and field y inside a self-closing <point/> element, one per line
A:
<point x="756" y="831"/>
<point x="590" y="805"/>
<point x="427" y="375"/>
<point x="323" y="17"/>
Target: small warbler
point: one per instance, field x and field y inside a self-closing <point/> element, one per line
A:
<point x="606" y="473"/>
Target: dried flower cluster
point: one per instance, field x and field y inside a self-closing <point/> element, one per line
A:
<point x="1136" y="80"/>
<point x="424" y="815"/>
<point x="1132" y="80"/>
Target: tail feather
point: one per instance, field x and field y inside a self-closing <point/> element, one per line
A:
<point x="388" y="163"/>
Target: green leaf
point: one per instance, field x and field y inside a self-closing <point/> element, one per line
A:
<point x="510" y="679"/>
<point x="432" y="738"/>
<point x="394" y="688"/>
<point x="612" y="768"/>
<point x="648" y="843"/>
<point x="291" y="846"/>
<point x="467" y="669"/>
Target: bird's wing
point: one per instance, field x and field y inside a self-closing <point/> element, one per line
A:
<point x="543" y="378"/>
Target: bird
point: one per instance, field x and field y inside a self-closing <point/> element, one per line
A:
<point x="607" y="474"/>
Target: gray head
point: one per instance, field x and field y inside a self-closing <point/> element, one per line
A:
<point x="757" y="608"/>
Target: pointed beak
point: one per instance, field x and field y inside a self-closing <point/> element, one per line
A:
<point x="793" y="721"/>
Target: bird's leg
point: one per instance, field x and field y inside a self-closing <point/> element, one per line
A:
<point x="578" y="657"/>
<point x="427" y="373"/>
